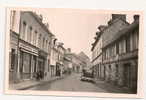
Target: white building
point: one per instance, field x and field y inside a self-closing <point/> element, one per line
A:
<point x="33" y="44"/>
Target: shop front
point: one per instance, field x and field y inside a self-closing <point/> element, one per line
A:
<point x="42" y="62"/>
<point x="27" y="61"/>
<point x="13" y="56"/>
<point x="58" y="69"/>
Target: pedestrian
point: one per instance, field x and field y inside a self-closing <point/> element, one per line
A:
<point x="41" y="74"/>
<point x="37" y="75"/>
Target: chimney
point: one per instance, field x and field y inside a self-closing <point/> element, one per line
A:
<point x="47" y="25"/>
<point x="54" y="41"/>
<point x="69" y="50"/>
<point x="121" y="16"/>
<point x="60" y="43"/>
<point x="97" y="33"/>
<point x="136" y="17"/>
<point x="41" y="17"/>
<point x="101" y="27"/>
<point x="109" y="22"/>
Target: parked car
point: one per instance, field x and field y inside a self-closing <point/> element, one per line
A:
<point x="87" y="75"/>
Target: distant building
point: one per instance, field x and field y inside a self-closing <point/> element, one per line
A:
<point x="73" y="61"/>
<point x="60" y="63"/>
<point x="67" y="61"/>
<point x="84" y="58"/>
<point x="76" y="63"/>
<point x="97" y="56"/>
<point x="54" y="57"/>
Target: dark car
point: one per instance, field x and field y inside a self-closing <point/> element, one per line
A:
<point x="87" y="75"/>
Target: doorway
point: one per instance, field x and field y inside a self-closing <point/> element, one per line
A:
<point x="127" y="74"/>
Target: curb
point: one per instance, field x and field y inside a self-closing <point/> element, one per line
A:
<point x="40" y="83"/>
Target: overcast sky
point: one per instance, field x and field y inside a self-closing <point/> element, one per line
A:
<point x="75" y="28"/>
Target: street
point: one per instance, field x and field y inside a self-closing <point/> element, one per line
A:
<point x="42" y="57"/>
<point x="69" y="83"/>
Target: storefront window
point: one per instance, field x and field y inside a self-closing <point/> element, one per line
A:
<point x="26" y="63"/>
<point x="12" y="59"/>
<point x="34" y="59"/>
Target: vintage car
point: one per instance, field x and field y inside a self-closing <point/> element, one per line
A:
<point x="87" y="75"/>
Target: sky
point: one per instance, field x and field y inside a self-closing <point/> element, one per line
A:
<point x="76" y="28"/>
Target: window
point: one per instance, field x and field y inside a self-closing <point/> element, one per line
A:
<point x="26" y="63"/>
<point x="29" y="34"/>
<point x="35" y="67"/>
<point x="12" y="59"/>
<point x="43" y="43"/>
<point x="46" y="44"/>
<point x="135" y="40"/>
<point x="13" y="13"/>
<point x="127" y="44"/>
<point x="112" y="51"/>
<point x="104" y="55"/>
<point x="117" y="48"/>
<point x="110" y="67"/>
<point x="122" y="46"/>
<point x="107" y="54"/>
<point x="35" y="38"/>
<point x="117" y="70"/>
<point x="23" y="30"/>
<point x="48" y="65"/>
<point x="40" y="36"/>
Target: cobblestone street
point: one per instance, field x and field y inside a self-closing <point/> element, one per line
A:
<point x="70" y="83"/>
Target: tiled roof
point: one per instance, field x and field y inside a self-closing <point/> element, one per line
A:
<point x="39" y="21"/>
<point x="104" y="27"/>
<point x="123" y="32"/>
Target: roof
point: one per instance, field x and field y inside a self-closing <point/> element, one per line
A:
<point x="83" y="55"/>
<point x="39" y="21"/>
<point x="105" y="28"/>
<point x="124" y="31"/>
<point x="77" y="57"/>
<point x="98" y="36"/>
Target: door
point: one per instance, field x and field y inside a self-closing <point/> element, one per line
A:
<point x="127" y="73"/>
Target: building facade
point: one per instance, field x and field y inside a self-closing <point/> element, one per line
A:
<point x="54" y="57"/>
<point x="115" y="52"/>
<point x="67" y="61"/>
<point x="13" y="50"/>
<point x="99" y="71"/>
<point x="120" y="56"/>
<point x="85" y="60"/>
<point x="76" y="63"/>
<point x="33" y="45"/>
<point x="60" y="63"/>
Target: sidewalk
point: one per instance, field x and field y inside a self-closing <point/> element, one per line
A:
<point x="31" y="83"/>
<point x="112" y="88"/>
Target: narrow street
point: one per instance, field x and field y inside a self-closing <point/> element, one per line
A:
<point x="69" y="83"/>
<point x="42" y="57"/>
